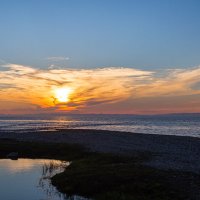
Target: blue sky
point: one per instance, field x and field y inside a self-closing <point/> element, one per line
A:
<point x="146" y="34"/>
<point x="100" y="56"/>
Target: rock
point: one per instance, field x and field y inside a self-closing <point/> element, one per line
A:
<point x="13" y="155"/>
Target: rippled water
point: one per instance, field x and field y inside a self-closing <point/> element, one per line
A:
<point x="183" y="125"/>
<point x="28" y="179"/>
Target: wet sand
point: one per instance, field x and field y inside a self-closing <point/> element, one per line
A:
<point x="168" y="152"/>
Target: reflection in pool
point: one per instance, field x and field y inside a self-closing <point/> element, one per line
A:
<point x="29" y="179"/>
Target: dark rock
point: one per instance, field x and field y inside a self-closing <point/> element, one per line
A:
<point x="13" y="155"/>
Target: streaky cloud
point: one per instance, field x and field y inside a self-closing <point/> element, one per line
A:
<point x="95" y="87"/>
<point x="57" y="58"/>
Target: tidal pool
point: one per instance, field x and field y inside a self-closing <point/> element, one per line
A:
<point x="30" y="179"/>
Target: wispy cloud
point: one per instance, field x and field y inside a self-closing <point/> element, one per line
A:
<point x="57" y="58"/>
<point x="113" y="89"/>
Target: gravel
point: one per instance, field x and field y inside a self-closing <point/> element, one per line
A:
<point x="168" y="152"/>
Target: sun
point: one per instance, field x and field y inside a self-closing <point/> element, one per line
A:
<point x="62" y="94"/>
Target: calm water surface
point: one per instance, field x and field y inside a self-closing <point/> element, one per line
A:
<point x="174" y="124"/>
<point x="28" y="179"/>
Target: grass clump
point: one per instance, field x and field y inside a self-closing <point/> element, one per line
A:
<point x="102" y="177"/>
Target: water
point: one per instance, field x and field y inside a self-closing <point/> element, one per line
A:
<point x="175" y="124"/>
<point x="29" y="179"/>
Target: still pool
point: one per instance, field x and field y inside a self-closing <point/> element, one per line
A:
<point x="30" y="179"/>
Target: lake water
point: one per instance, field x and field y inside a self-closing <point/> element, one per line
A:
<point x="28" y="179"/>
<point x="174" y="124"/>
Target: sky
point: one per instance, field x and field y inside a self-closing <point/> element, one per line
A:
<point x="92" y="56"/>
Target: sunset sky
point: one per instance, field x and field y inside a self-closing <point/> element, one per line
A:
<point x="99" y="56"/>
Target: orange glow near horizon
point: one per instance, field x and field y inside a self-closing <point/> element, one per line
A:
<point x="103" y="90"/>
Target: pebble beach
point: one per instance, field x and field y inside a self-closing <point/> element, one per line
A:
<point x="167" y="152"/>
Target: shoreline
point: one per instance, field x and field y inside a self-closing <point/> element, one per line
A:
<point x="117" y="173"/>
<point x="167" y="152"/>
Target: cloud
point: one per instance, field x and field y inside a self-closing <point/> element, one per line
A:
<point x="112" y="89"/>
<point x="6" y="86"/>
<point x="57" y="58"/>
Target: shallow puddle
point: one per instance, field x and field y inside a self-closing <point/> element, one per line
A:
<point x="30" y="179"/>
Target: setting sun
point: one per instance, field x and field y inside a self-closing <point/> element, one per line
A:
<point x="62" y="94"/>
